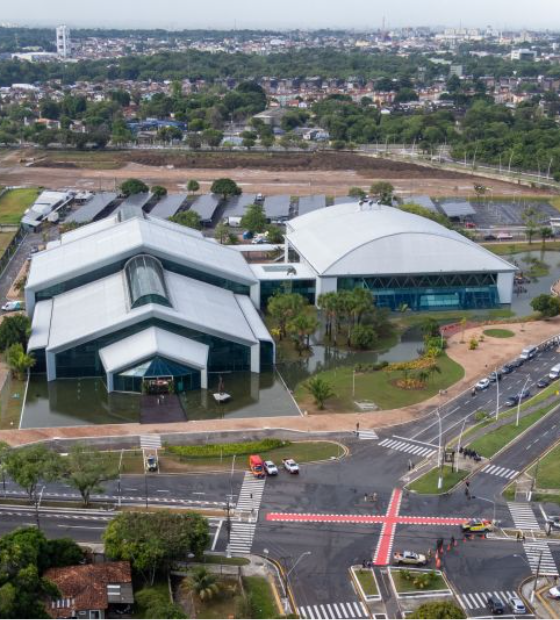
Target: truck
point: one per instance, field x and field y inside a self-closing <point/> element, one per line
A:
<point x="291" y="466"/>
<point x="256" y="465"/>
<point x="409" y="558"/>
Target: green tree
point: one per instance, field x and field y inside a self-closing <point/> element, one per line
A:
<point x="384" y="191"/>
<point x="529" y="217"/>
<point x="547" y="305"/>
<point x="283" y="308"/>
<point x="159" y="191"/>
<point x="194" y="141"/>
<point x="190" y="219"/>
<point x="204" y="584"/>
<point x="193" y="186"/>
<point x="156" y="604"/>
<point x="212" y="137"/>
<point x="18" y="360"/>
<point x="444" y="610"/>
<point x="120" y="133"/>
<point x="320" y="389"/>
<point x="13" y="330"/>
<point x="357" y="192"/>
<point x="363" y="337"/>
<point x="87" y="469"/>
<point x="30" y="465"/>
<point x="225" y="188"/>
<point x="133" y="186"/>
<point x="328" y="302"/>
<point x="545" y="232"/>
<point x="361" y="304"/>
<point x="151" y="541"/>
<point x="254" y="219"/>
<point x="302" y="327"/>
<point x="274" y="234"/>
<point x="222" y="232"/>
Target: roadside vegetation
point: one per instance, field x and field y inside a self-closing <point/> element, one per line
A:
<point x="548" y="474"/>
<point x="406" y="580"/>
<point x="498" y="333"/>
<point x="428" y="483"/>
<point x="14" y="203"/>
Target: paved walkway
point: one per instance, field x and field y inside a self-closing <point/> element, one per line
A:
<point x="492" y="353"/>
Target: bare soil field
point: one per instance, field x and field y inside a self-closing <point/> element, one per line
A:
<point x="269" y="173"/>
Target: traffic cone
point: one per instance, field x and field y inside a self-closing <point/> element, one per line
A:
<point x="454" y="543"/>
<point x="449" y="547"/>
<point x="438" y="563"/>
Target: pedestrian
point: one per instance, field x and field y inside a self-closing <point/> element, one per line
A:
<point x="518" y="535"/>
<point x="473" y="392"/>
<point x="357" y="427"/>
<point x="364" y="563"/>
<point x="452" y="541"/>
<point x="523" y="536"/>
<point x="365" y="497"/>
<point x="409" y="464"/>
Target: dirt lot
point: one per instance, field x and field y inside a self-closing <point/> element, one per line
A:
<point x="268" y="173"/>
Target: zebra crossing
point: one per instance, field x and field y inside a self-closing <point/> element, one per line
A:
<point x="334" y="611"/>
<point x="404" y="446"/>
<point x="523" y="516"/>
<point x="251" y="493"/>
<point x="249" y="500"/>
<point x="538" y="550"/>
<point x="367" y="435"/>
<point x="502" y="472"/>
<point x="478" y="600"/>
<point x="150" y="442"/>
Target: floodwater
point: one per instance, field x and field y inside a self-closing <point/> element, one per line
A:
<point x="75" y="402"/>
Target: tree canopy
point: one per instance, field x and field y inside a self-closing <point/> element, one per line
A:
<point x="225" y="187"/>
<point x="190" y="219"/>
<point x="133" y="186"/>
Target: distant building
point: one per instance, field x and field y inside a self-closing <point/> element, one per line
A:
<point x="456" y="70"/>
<point x="523" y="54"/>
<point x="63" y="42"/>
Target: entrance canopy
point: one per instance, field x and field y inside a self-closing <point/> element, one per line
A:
<point x="151" y="343"/>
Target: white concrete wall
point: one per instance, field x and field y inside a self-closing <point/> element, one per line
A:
<point x="256" y="358"/>
<point x="325" y="285"/>
<point x="505" y="287"/>
<point x="50" y="359"/>
<point x="255" y="294"/>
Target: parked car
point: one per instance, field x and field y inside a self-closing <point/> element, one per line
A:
<point x="270" y="468"/>
<point x="554" y="593"/>
<point x="524" y="394"/>
<point x="542" y="383"/>
<point x="518" y="362"/>
<point x="151" y="463"/>
<point x="517" y="605"/>
<point x="495" y="376"/>
<point x="482" y="384"/>
<point x="409" y="558"/>
<point x="12" y="306"/>
<point x="495" y="606"/>
<point x="291" y="466"/>
<point x="477" y="525"/>
<point x="512" y="401"/>
<point x="507" y="369"/>
<point x="490" y="238"/>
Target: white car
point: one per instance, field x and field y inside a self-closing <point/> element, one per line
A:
<point x="270" y="468"/>
<point x="12" y="306"/>
<point x="517" y="605"/>
<point x="291" y="466"/>
<point x="554" y="593"/>
<point x="483" y="384"/>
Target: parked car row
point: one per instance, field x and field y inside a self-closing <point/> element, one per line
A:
<point x="260" y="468"/>
<point x="497" y="608"/>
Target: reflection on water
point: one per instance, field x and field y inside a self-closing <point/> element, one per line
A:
<point x="85" y="401"/>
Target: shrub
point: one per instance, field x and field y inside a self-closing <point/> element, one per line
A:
<point x="227" y="449"/>
<point x="363" y="337"/>
<point x="473" y="344"/>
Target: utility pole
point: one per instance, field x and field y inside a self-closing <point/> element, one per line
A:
<point x="536" y="577"/>
<point x="497" y="392"/>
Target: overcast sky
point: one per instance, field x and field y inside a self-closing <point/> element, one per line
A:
<point x="362" y="14"/>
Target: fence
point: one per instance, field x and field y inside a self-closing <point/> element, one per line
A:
<point x="12" y="247"/>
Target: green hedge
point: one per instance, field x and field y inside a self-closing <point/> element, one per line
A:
<point x="213" y="450"/>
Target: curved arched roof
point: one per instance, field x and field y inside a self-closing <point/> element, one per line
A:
<point x="350" y="239"/>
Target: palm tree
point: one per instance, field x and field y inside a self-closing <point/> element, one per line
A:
<point x="545" y="233"/>
<point x="202" y="583"/>
<point x="328" y="303"/>
<point x="320" y="389"/>
<point x="18" y="360"/>
<point x="362" y="302"/>
<point x="302" y="326"/>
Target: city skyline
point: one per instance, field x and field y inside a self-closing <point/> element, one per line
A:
<point x="289" y="15"/>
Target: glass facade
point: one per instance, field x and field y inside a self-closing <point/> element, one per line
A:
<point x="117" y="266"/>
<point x="84" y="361"/>
<point x="146" y="281"/>
<point x="430" y="292"/>
<point x="131" y="380"/>
<point x="306" y="288"/>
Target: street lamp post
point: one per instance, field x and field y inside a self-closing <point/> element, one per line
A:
<point x="287" y="575"/>
<point x="440" y="463"/>
<point x="519" y="401"/>
<point x="497" y="393"/>
<point x="537" y="575"/>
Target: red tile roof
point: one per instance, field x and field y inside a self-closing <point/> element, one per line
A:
<point x="84" y="587"/>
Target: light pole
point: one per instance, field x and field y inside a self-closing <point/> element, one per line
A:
<point x="497" y="393"/>
<point x="520" y="399"/>
<point x="287" y="575"/>
<point x="537" y="575"/>
<point x="440" y="478"/>
<point x="460" y="437"/>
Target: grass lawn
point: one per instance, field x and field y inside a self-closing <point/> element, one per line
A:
<point x="94" y="160"/>
<point x="548" y="476"/>
<point x="367" y="581"/>
<point x="428" y="483"/>
<point x="11" y="402"/>
<point x="5" y="240"/>
<point x="378" y="387"/>
<point x="493" y="441"/>
<point x="262" y="600"/>
<point x="407" y="585"/>
<point x="498" y="333"/>
<point x="222" y="559"/>
<point x="13" y="204"/>
<point x="503" y="249"/>
<point x="302" y="452"/>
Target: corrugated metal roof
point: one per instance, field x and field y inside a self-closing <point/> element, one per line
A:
<point x="149" y="343"/>
<point x="206" y="206"/>
<point x="169" y="205"/>
<point x="367" y="240"/>
<point x="92" y="208"/>
<point x="237" y="205"/>
<point x="277" y="206"/>
<point x="457" y="209"/>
